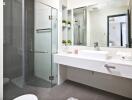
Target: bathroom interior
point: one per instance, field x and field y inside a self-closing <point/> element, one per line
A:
<point x="67" y="49"/>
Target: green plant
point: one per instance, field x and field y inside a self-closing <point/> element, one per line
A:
<point x="69" y="22"/>
<point x="63" y="21"/>
<point x="64" y="42"/>
<point x="69" y="42"/>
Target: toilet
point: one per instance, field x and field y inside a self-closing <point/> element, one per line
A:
<point x="27" y="97"/>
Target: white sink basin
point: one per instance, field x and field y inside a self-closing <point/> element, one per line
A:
<point x="94" y="54"/>
<point x="124" y="55"/>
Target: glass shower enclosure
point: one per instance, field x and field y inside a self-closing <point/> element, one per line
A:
<point x="44" y="45"/>
<point x="30" y="40"/>
<point x="12" y="42"/>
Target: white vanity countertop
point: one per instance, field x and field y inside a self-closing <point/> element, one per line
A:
<point x="117" y="67"/>
<point x="112" y="60"/>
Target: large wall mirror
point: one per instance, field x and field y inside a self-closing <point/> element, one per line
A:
<point x="107" y="24"/>
<point x="118" y="31"/>
<point x="80" y="26"/>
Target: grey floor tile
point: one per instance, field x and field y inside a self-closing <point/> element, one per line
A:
<point x="62" y="92"/>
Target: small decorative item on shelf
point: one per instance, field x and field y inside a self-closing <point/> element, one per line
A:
<point x="64" y="42"/>
<point x="69" y="42"/>
<point x="69" y="24"/>
<point x="63" y="23"/>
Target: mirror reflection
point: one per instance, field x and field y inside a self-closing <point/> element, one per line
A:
<point x="105" y="24"/>
<point x="80" y="26"/>
<point x="118" y="31"/>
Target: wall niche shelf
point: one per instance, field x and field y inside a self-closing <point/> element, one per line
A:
<point x="67" y="17"/>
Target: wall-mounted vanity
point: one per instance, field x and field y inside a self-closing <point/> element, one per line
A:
<point x="96" y="69"/>
<point x="100" y="54"/>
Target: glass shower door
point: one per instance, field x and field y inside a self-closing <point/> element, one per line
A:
<point x="54" y="44"/>
<point x="43" y="46"/>
<point x="42" y="42"/>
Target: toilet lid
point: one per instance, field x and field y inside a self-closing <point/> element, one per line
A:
<point x="27" y="97"/>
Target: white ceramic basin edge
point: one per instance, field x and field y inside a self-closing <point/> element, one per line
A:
<point x="94" y="54"/>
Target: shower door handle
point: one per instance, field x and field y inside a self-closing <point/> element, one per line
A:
<point x="38" y="51"/>
<point x="43" y="30"/>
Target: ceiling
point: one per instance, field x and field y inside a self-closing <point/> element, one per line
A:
<point x="114" y="3"/>
<point x="101" y="3"/>
<point x="104" y="4"/>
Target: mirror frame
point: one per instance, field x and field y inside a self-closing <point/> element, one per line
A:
<point x="129" y="30"/>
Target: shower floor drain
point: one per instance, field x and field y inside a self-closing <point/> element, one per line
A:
<point x="72" y="98"/>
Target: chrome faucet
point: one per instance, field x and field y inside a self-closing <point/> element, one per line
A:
<point x="96" y="46"/>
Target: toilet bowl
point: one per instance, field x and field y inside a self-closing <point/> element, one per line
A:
<point x="27" y="97"/>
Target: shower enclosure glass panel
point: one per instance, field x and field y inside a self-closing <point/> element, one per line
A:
<point x="54" y="43"/>
<point x="45" y="43"/>
<point x="12" y="46"/>
<point x="30" y="40"/>
<point x="42" y="41"/>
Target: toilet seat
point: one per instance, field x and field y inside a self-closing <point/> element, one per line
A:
<point x="27" y="97"/>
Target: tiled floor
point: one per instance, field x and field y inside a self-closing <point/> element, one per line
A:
<point x="62" y="92"/>
<point x="38" y="82"/>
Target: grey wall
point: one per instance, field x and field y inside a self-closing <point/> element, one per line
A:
<point x="29" y="37"/>
<point x="12" y="38"/>
<point x="130" y="8"/>
<point x="131" y="20"/>
<point x="13" y="56"/>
